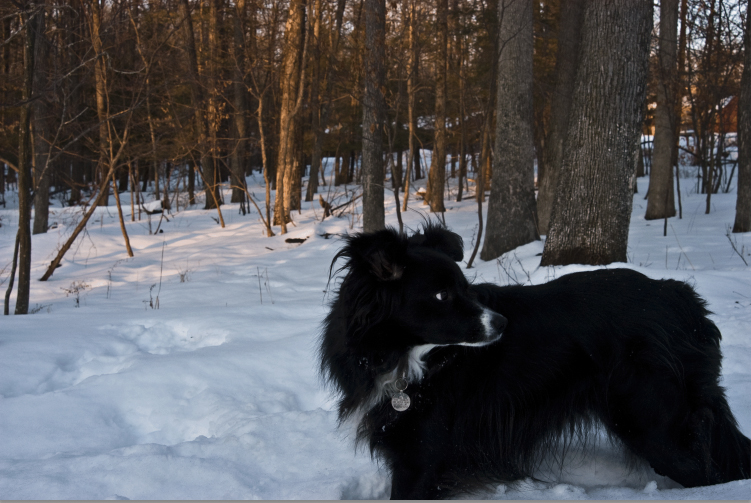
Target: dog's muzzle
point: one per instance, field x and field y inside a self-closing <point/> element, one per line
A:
<point x="494" y="324"/>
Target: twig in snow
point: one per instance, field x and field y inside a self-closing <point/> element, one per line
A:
<point x="732" y="243"/>
<point x="161" y="268"/>
<point x="260" y="290"/>
<point x="681" y="247"/>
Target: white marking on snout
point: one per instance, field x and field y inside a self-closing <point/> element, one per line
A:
<point x="491" y="335"/>
<point x="485" y="318"/>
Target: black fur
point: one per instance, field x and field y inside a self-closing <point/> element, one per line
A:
<point x="609" y="347"/>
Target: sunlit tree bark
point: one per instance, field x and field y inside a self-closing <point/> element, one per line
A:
<point x="289" y="115"/>
<point x="569" y="37"/>
<point x="591" y="215"/>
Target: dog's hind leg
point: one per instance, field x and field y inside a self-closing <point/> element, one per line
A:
<point x="677" y="449"/>
<point x="730" y="449"/>
<point x="693" y="444"/>
<point x="710" y="449"/>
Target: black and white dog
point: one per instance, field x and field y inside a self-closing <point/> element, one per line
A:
<point x="457" y="386"/>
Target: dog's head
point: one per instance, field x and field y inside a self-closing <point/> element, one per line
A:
<point x="408" y="291"/>
<point x="401" y="297"/>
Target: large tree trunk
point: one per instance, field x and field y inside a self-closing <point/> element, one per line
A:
<point x="569" y="37"/>
<point x="437" y="174"/>
<point x="512" y="215"/>
<point x="590" y="219"/>
<point x="743" y="203"/>
<point x="373" y="105"/>
<point x="289" y="118"/>
<point x="661" y="199"/>
<point x="239" y="153"/>
<point x="42" y="172"/>
<point x="24" y="165"/>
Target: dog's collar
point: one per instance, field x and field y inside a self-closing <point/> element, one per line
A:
<point x="401" y="401"/>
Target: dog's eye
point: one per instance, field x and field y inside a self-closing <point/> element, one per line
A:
<point x="442" y="295"/>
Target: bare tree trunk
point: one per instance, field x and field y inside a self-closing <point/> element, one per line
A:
<point x="292" y="82"/>
<point x="569" y="37"/>
<point x="14" y="266"/>
<point x="211" y="170"/>
<point x="133" y="192"/>
<point x="680" y="78"/>
<point x="191" y="183"/>
<point x="315" y="102"/>
<point x="239" y="154"/>
<point x="266" y="163"/>
<point x="373" y="106"/>
<point x="462" y="107"/>
<point x="42" y="172"/>
<point x="100" y="84"/>
<point x="196" y="91"/>
<point x="590" y="219"/>
<point x="486" y="155"/>
<point x="266" y="132"/>
<point x="512" y="214"/>
<point x="411" y="100"/>
<point x="24" y="164"/>
<point x="639" y="162"/>
<point x="743" y="202"/>
<point x="149" y="115"/>
<point x="678" y="101"/>
<point x="107" y="160"/>
<point x="480" y="185"/>
<point x="437" y="173"/>
<point x="661" y="199"/>
<point x="324" y="100"/>
<point x="128" y="249"/>
<point x="398" y="168"/>
<point x="152" y="134"/>
<point x="295" y="188"/>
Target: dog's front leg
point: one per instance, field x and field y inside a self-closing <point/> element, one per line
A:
<point x="409" y="484"/>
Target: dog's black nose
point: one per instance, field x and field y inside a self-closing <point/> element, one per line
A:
<point x="498" y="322"/>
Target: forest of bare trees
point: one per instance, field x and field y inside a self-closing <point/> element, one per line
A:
<point x="172" y="99"/>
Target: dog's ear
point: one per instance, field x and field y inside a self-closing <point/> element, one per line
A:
<point x="382" y="252"/>
<point x="440" y="239"/>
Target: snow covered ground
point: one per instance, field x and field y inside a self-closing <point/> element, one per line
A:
<point x="215" y="394"/>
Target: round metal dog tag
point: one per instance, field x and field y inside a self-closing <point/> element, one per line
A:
<point x="400" y="401"/>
